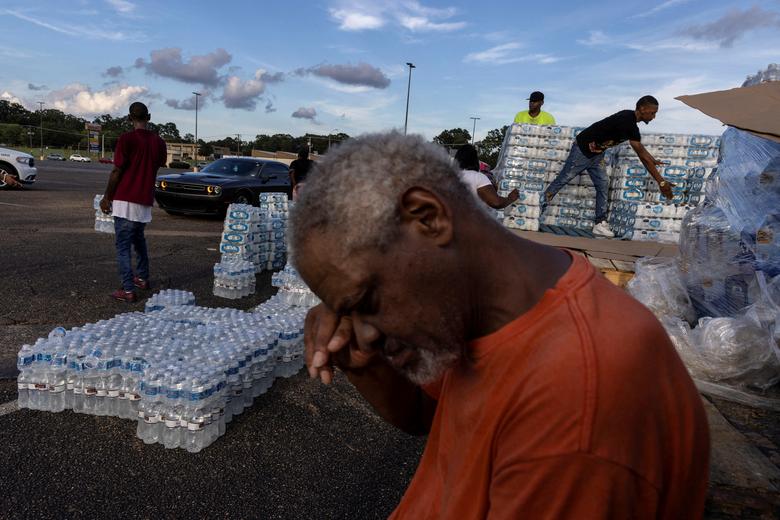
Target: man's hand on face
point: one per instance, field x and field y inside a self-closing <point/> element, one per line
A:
<point x="105" y="205"/>
<point x="330" y="341"/>
<point x="666" y="190"/>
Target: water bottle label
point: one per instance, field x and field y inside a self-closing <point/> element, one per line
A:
<point x="193" y="426"/>
<point x="169" y="423"/>
<point x="122" y="395"/>
<point x="40" y="386"/>
<point x="56" y="389"/>
<point x="21" y="386"/>
<point x="141" y="414"/>
<point x="152" y="419"/>
<point x="133" y="397"/>
<point x="90" y="391"/>
<point x="101" y="393"/>
<point x="113" y="393"/>
<point x="183" y="423"/>
<point x="77" y="390"/>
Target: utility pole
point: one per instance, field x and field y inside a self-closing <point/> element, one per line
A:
<point x="102" y="144"/>
<point x="474" y="128"/>
<point x="40" y="109"/>
<point x="197" y="95"/>
<point x="408" y="88"/>
<point x="238" y="136"/>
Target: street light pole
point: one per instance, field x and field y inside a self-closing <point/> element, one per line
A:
<point x="474" y="128"/>
<point x="197" y="95"/>
<point x="408" y="88"/>
<point x="40" y="109"/>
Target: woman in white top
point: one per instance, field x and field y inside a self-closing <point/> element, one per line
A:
<point x="480" y="185"/>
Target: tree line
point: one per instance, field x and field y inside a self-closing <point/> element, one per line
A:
<point x="21" y="127"/>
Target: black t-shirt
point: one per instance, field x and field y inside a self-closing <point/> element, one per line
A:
<point x="301" y="168"/>
<point x="608" y="132"/>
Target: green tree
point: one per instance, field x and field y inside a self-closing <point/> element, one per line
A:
<point x="490" y="146"/>
<point x="453" y="137"/>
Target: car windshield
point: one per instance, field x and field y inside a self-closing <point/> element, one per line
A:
<point x="231" y="167"/>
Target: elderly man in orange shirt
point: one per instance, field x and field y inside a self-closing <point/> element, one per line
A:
<point x="545" y="391"/>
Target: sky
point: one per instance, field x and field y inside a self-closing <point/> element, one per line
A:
<point x="328" y="66"/>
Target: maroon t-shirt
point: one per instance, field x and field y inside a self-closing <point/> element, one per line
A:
<point x="139" y="154"/>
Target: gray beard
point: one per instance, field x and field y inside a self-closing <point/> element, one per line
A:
<point x="431" y="366"/>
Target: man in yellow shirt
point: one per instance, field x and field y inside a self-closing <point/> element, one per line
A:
<point x="535" y="115"/>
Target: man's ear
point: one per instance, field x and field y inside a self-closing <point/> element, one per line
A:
<point x="427" y="214"/>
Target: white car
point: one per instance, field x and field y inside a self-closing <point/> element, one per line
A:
<point x="79" y="158"/>
<point x="19" y="164"/>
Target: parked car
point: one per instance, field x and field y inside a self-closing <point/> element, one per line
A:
<point x="18" y="164"/>
<point x="106" y="160"/>
<point x="55" y="157"/>
<point x="79" y="158"/>
<point x="211" y="190"/>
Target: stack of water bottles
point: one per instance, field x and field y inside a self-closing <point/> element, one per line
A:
<point x="169" y="298"/>
<point x="271" y="233"/>
<point x="234" y="278"/>
<point x="181" y="370"/>
<point x="103" y="223"/>
<point x="638" y="210"/>
<point x="531" y="157"/>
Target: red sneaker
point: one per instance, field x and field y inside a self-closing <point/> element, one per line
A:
<point x="141" y="283"/>
<point x="124" y="296"/>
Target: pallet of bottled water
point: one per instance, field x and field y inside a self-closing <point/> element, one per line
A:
<point x="254" y="234"/>
<point x="531" y="157"/>
<point x="688" y="161"/>
<point x="182" y="372"/>
<point x="103" y="223"/>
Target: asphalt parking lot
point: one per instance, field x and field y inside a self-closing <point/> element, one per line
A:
<point x="302" y="451"/>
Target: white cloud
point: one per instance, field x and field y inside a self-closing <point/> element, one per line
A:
<point x="354" y="21"/>
<point x="8" y="96"/>
<point x="507" y="53"/>
<point x="88" y="32"/>
<point x="81" y="100"/>
<point x="672" y="44"/>
<point x="245" y="94"/>
<point x="595" y="38"/>
<point x="364" y="15"/>
<point x="660" y="7"/>
<point x="419" y="23"/>
<point x="122" y="6"/>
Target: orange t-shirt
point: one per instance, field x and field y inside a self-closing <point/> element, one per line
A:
<point x="579" y="408"/>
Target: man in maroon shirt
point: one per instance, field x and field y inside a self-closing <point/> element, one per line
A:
<point x="129" y="197"/>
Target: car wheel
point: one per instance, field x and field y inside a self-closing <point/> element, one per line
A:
<point x="243" y="197"/>
<point x="4" y="168"/>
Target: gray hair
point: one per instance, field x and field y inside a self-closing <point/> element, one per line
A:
<point x="355" y="190"/>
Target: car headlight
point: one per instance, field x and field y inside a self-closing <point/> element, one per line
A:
<point x="213" y="190"/>
<point x="156" y="184"/>
<point x="164" y="184"/>
<point x="23" y="160"/>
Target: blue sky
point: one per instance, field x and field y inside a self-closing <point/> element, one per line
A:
<point x="333" y="65"/>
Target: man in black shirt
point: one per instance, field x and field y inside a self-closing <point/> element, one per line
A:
<point x="587" y="154"/>
<point x="299" y="169"/>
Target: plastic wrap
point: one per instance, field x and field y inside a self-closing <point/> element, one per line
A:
<point x="658" y="285"/>
<point x="739" y="351"/>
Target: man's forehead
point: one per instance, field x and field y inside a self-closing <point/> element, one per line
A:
<point x="332" y="276"/>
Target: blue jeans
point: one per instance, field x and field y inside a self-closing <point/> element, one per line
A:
<point x="577" y="163"/>
<point x="130" y="234"/>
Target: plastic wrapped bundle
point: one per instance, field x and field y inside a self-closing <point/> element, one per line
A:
<point x="658" y="285"/>
<point x="747" y="183"/>
<point x="717" y="265"/>
<point x="739" y="351"/>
